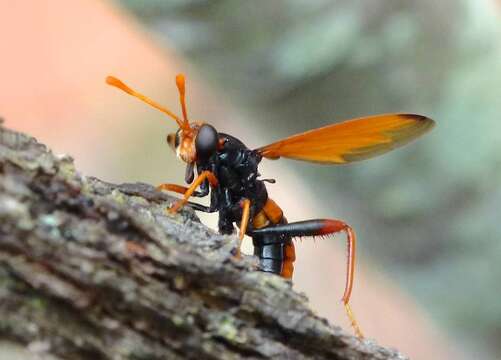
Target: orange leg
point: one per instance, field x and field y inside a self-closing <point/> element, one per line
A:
<point x="353" y="321"/>
<point x="325" y="227"/>
<point x="332" y="226"/>
<point x="183" y="189"/>
<point x="173" y="187"/>
<point x="243" y="223"/>
<point x="180" y="189"/>
<point x="189" y="192"/>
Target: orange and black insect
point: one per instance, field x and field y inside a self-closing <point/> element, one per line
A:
<point x="228" y="171"/>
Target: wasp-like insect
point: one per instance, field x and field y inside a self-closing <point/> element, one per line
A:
<point x="228" y="171"/>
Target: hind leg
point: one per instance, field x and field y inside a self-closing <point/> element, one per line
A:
<point x="322" y="227"/>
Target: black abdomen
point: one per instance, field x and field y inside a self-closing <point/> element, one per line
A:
<point x="275" y="253"/>
<point x="271" y="256"/>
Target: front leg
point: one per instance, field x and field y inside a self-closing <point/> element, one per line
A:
<point x="205" y="175"/>
<point x="200" y="207"/>
<point x="180" y="189"/>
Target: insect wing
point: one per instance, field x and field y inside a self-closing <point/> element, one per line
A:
<point x="351" y="140"/>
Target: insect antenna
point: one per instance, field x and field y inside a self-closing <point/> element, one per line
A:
<point x="180" y="82"/>
<point x="113" y="81"/>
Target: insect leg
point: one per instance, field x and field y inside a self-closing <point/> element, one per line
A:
<point x="189" y="192"/>
<point x="200" y="207"/>
<point x="320" y="227"/>
<point x="180" y="189"/>
<point x="245" y="204"/>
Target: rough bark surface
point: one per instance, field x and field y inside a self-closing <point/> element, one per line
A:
<point x="92" y="270"/>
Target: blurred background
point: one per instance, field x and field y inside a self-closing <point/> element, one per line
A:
<point x="427" y="215"/>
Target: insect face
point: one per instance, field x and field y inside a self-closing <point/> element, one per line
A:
<point x="196" y="144"/>
<point x="183" y="144"/>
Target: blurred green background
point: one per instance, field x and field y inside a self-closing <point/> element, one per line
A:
<point x="295" y="65"/>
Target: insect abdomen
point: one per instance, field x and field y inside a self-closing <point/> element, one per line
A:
<point x="275" y="251"/>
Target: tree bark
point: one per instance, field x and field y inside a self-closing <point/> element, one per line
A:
<point x="92" y="270"/>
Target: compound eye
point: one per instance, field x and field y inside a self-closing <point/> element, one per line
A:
<point x="170" y="141"/>
<point x="206" y="141"/>
<point x="174" y="140"/>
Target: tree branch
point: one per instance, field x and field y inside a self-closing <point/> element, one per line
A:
<point x="92" y="270"/>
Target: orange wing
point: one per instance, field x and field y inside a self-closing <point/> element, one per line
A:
<point x="352" y="140"/>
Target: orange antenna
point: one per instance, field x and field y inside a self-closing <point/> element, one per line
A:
<point x="113" y="81"/>
<point x="181" y="87"/>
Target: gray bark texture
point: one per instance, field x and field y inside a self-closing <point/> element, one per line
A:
<point x="92" y="270"/>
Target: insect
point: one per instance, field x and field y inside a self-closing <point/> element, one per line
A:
<point x="227" y="170"/>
